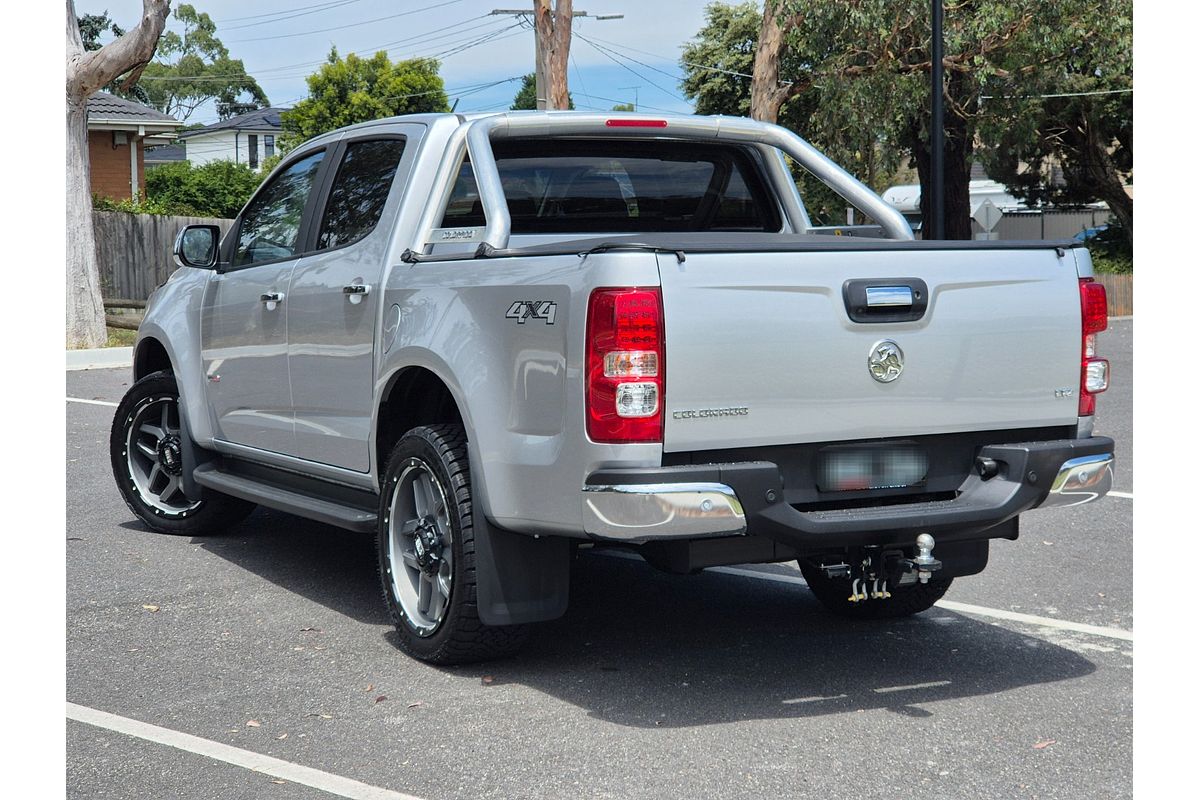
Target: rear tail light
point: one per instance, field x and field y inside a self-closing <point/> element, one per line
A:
<point x="625" y="365"/>
<point x="1093" y="373"/>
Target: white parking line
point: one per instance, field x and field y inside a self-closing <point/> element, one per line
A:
<point x="949" y="605"/>
<point x="256" y="762"/>
<point x="1126" y="495"/>
<point x="910" y="687"/>
<point x="91" y="402"/>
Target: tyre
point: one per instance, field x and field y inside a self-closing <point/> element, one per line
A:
<point x="834" y="593"/>
<point x="426" y="545"/>
<point x="144" y="447"/>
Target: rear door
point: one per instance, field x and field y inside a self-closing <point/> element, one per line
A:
<point x="761" y="348"/>
<point x="333" y="309"/>
<point x="243" y="327"/>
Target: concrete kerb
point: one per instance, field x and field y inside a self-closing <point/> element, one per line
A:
<point x="100" y="358"/>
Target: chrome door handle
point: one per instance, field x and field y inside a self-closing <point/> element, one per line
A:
<point x="889" y="296"/>
<point x="272" y="300"/>
<point x="355" y="292"/>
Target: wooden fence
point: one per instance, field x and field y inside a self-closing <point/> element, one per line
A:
<point x="1120" y="293"/>
<point x="134" y="250"/>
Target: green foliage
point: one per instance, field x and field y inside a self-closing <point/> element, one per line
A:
<point x="1074" y="149"/>
<point x="1112" y="249"/>
<point x="526" y="97"/>
<point x="193" y="67"/>
<point x="215" y="189"/>
<point x="1112" y="264"/>
<point x="860" y="71"/>
<point x="717" y="65"/>
<point x="624" y="107"/>
<point x="349" y="90"/>
<point x="143" y="205"/>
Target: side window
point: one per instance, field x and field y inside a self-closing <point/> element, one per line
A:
<point x="359" y="191"/>
<point x="270" y="225"/>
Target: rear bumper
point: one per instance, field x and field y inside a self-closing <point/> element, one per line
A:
<point x="641" y="505"/>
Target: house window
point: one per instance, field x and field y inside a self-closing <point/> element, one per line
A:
<point x="252" y="143"/>
<point x="268" y="146"/>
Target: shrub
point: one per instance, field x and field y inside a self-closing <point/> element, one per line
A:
<point x="215" y="189"/>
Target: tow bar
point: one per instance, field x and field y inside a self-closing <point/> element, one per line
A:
<point x="879" y="568"/>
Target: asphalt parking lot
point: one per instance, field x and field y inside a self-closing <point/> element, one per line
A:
<point x="273" y="641"/>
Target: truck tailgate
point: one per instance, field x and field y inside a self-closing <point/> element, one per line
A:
<point x="761" y="349"/>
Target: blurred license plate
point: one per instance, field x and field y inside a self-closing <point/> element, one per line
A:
<point x="845" y="469"/>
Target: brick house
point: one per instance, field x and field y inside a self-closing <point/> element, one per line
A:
<point x="118" y="130"/>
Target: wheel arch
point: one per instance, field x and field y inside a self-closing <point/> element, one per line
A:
<point x="413" y="395"/>
<point x="150" y="356"/>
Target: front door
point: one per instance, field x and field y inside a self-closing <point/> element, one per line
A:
<point x="243" y="326"/>
<point x="333" y="302"/>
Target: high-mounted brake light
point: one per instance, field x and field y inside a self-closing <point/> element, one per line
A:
<point x="622" y="122"/>
<point x="1093" y="372"/>
<point x="625" y="365"/>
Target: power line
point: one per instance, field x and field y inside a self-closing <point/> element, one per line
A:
<point x="327" y="3"/>
<point x="1060" y="94"/>
<point x="681" y="61"/>
<point x="610" y="55"/>
<point x="349" y="25"/>
<point x="293" y="14"/>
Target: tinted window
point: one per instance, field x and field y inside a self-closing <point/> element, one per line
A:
<point x="359" y="191"/>
<point x="271" y="223"/>
<point x="577" y="186"/>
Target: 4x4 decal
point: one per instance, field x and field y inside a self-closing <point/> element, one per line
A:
<point x="532" y="309"/>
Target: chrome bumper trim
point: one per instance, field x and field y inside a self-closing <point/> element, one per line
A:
<point x="1081" y="480"/>
<point x="644" y="512"/>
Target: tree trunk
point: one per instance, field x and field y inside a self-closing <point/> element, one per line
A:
<point x="86" y="73"/>
<point x="1105" y="176"/>
<point x="85" y="308"/>
<point x="957" y="149"/>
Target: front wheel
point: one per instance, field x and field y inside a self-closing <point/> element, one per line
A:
<point x="426" y="547"/>
<point x="145" y="448"/>
<point x="834" y="594"/>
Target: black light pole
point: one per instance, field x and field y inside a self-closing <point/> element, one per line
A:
<point x="937" y="133"/>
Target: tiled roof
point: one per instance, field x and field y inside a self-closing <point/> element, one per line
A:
<point x="263" y="119"/>
<point x="105" y="106"/>
<point x="165" y="153"/>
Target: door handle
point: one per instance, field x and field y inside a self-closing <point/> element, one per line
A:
<point x="889" y="296"/>
<point x="355" y="292"/>
<point x="272" y="300"/>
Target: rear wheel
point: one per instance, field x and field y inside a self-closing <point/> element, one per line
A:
<point x="145" y="448"/>
<point x="426" y="546"/>
<point x="834" y="594"/>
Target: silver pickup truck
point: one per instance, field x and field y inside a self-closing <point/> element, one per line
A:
<point x="488" y="340"/>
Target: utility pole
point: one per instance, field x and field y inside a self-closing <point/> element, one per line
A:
<point x="937" y="130"/>
<point x="552" y="44"/>
<point x="635" y="93"/>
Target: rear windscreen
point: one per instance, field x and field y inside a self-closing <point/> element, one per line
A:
<point x="590" y="186"/>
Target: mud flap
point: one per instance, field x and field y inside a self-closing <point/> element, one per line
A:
<point x="518" y="578"/>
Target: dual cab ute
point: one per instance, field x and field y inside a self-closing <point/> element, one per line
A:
<point x="487" y="339"/>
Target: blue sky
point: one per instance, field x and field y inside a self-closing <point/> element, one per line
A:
<point x="475" y="49"/>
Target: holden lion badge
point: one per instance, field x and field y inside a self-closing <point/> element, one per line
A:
<point x="886" y="361"/>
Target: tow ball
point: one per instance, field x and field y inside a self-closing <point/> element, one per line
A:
<point x="878" y="569"/>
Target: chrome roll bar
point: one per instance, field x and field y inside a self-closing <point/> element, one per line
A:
<point x="481" y="132"/>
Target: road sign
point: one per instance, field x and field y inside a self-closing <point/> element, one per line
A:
<point x="987" y="215"/>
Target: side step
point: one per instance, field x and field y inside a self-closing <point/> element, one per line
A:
<point x="290" y="500"/>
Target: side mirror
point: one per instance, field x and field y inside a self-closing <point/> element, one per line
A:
<point x="196" y="246"/>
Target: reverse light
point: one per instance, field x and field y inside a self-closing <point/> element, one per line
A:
<point x="1093" y="372"/>
<point x="624" y="391"/>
